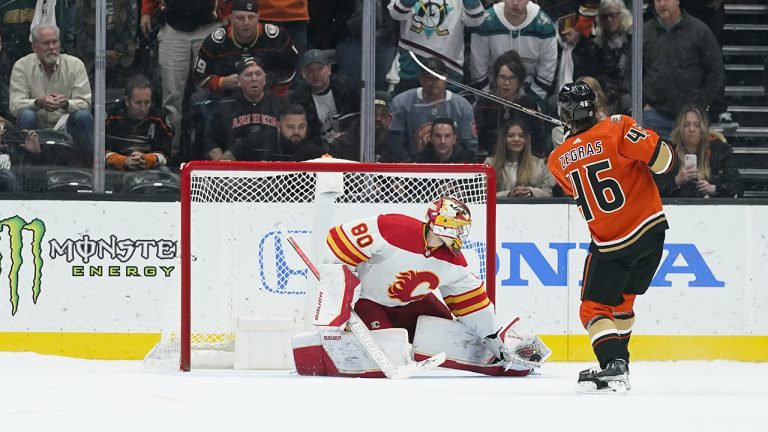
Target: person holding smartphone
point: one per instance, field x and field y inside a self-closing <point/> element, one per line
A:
<point x="706" y="166"/>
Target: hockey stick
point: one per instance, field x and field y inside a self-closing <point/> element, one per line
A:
<point x="361" y="332"/>
<point x="487" y="95"/>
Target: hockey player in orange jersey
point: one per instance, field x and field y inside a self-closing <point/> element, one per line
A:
<point x="607" y="166"/>
<point x="389" y="269"/>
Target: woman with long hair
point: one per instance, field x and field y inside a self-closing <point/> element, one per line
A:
<point x="712" y="172"/>
<point x="507" y="77"/>
<point x="518" y="172"/>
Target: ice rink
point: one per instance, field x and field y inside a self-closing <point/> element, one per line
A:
<point x="46" y="393"/>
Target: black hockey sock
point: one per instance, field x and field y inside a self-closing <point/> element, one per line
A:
<point x="624" y="325"/>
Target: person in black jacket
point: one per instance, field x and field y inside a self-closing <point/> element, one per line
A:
<point x="713" y="174"/>
<point x="682" y="64"/>
<point x="347" y="146"/>
<point x="443" y="145"/>
<point x="331" y="102"/>
<point x="184" y="24"/>
<point x="293" y="135"/>
<point x="138" y="135"/>
<point x="245" y="126"/>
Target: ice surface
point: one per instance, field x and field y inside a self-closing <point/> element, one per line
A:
<point x="52" y="394"/>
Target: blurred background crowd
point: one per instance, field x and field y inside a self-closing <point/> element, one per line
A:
<point x="280" y="80"/>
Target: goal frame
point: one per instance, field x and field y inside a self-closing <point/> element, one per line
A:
<point x="321" y="167"/>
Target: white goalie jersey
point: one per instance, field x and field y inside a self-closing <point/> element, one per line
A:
<point x="395" y="267"/>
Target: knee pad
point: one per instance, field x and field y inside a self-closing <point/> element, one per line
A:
<point x="626" y="308"/>
<point x="590" y="310"/>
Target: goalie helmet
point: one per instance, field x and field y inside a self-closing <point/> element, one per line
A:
<point x="576" y="102"/>
<point x="450" y="220"/>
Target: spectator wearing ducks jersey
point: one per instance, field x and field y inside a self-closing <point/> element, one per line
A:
<point x="138" y="135"/>
<point x="244" y="36"/>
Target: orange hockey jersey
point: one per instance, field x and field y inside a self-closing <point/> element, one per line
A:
<point x="606" y="170"/>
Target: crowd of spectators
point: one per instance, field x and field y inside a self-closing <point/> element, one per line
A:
<point x="280" y="80"/>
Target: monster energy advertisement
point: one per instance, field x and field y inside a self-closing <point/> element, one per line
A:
<point x="86" y="262"/>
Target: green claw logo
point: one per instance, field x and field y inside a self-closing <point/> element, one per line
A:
<point x="15" y="226"/>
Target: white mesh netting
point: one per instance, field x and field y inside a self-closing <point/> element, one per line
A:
<point x="242" y="266"/>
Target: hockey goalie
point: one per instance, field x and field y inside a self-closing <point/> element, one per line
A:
<point x="389" y="269"/>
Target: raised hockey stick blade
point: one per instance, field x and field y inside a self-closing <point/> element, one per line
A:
<point x="487" y="95"/>
<point x="361" y="332"/>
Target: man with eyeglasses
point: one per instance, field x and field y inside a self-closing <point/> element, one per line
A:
<point x="245" y="126"/>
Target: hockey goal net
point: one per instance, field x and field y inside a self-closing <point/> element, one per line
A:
<point x="236" y="263"/>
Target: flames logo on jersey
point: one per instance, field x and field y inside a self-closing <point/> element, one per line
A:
<point x="407" y="282"/>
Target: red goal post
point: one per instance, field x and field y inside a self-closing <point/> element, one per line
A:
<point x="231" y="256"/>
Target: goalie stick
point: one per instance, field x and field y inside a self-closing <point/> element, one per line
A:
<point x="487" y="95"/>
<point x="361" y="332"/>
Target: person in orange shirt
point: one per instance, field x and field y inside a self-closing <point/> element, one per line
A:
<point x="606" y="165"/>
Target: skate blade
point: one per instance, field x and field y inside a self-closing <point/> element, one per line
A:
<point x="611" y="387"/>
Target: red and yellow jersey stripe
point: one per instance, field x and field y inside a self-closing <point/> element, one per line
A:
<point x="344" y="248"/>
<point x="469" y="302"/>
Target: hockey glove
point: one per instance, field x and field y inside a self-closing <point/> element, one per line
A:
<point x="509" y="346"/>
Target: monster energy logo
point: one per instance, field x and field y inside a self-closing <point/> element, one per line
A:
<point x="15" y="226"/>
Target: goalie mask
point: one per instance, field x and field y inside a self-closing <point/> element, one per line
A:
<point x="450" y="220"/>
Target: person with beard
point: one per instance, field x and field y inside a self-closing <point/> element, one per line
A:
<point x="331" y="101"/>
<point x="47" y="85"/>
<point x="245" y="126"/>
<point x="293" y="135"/>
<point x="347" y="146"/>
<point x="443" y="145"/>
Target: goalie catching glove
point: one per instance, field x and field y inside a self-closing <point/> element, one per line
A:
<point x="510" y="346"/>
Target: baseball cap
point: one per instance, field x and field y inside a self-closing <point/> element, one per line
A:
<point x="313" y="56"/>
<point x="245" y="5"/>
<point x="247" y="61"/>
<point x="436" y="65"/>
<point x="382" y="98"/>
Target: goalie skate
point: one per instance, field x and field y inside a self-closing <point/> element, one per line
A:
<point x="614" y="379"/>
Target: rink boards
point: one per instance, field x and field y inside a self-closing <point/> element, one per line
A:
<point x="92" y="279"/>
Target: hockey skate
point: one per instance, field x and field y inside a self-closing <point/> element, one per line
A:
<point x="613" y="379"/>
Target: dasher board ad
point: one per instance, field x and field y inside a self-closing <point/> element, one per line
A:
<point x="110" y="267"/>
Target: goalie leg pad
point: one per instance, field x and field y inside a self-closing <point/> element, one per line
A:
<point x="463" y="349"/>
<point x="337" y="291"/>
<point x="339" y="353"/>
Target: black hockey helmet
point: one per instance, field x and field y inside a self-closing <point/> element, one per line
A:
<point x="576" y="102"/>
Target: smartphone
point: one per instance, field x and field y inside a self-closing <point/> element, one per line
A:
<point x="690" y="160"/>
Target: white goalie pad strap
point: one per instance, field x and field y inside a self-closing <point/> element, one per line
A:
<point x="337" y="292"/>
<point x="339" y="353"/>
<point x="463" y="349"/>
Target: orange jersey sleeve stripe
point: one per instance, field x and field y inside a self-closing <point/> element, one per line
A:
<point x="469" y="309"/>
<point x="343" y="248"/>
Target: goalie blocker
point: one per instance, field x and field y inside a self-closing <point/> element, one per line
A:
<point x="339" y="353"/>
